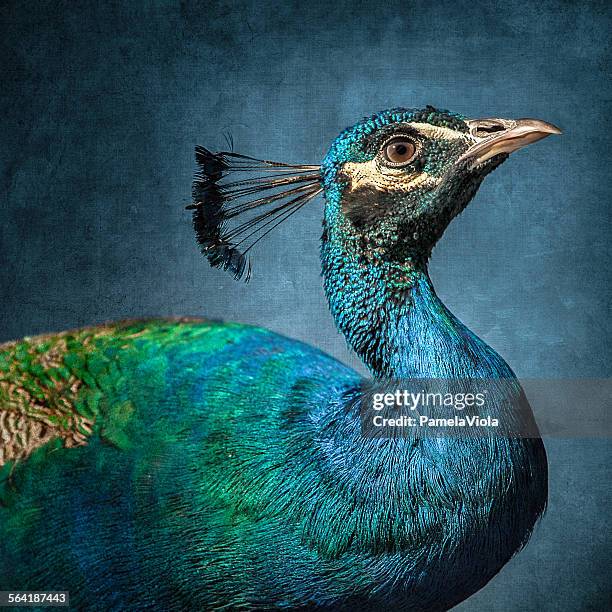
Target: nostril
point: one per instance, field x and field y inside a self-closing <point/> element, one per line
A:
<point x="486" y="129"/>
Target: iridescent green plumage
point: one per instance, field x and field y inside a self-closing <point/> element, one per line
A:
<point x="191" y="417"/>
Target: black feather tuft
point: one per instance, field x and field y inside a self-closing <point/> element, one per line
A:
<point x="257" y="203"/>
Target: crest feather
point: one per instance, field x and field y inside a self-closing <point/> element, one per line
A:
<point x="238" y="200"/>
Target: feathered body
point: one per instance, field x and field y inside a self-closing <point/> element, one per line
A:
<point x="226" y="467"/>
<point x="199" y="465"/>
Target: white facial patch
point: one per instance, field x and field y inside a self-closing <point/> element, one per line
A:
<point x="438" y="132"/>
<point x="371" y="175"/>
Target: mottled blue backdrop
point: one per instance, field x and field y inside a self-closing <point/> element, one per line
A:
<point x="103" y="102"/>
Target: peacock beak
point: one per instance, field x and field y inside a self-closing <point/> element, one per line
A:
<point x="495" y="136"/>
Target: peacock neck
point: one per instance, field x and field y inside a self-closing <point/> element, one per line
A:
<point x="393" y="319"/>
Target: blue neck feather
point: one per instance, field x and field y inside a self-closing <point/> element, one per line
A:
<point x="424" y="339"/>
<point x="392" y="317"/>
<point x="389" y="312"/>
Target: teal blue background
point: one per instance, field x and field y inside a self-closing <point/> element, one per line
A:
<point x="102" y="104"/>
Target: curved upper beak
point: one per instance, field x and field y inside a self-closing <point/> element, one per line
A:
<point x="495" y="136"/>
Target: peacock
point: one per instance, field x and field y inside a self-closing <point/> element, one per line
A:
<point x="187" y="464"/>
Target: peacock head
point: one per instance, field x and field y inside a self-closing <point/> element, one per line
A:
<point x="394" y="181"/>
<point x="392" y="184"/>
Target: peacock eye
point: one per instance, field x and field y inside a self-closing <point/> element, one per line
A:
<point x="399" y="151"/>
